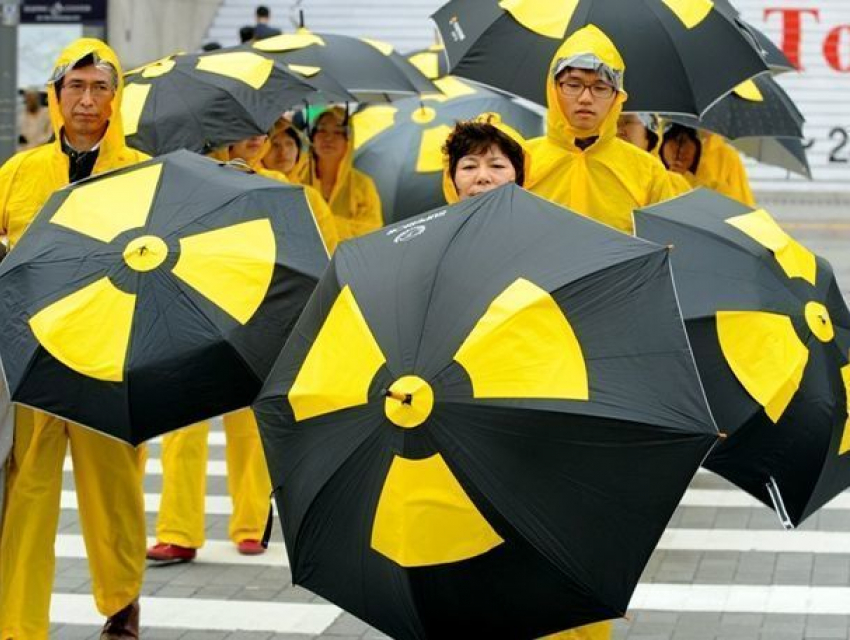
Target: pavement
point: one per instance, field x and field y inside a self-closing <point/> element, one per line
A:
<point x="725" y="570"/>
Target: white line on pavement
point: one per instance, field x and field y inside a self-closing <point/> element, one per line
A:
<point x="209" y="615"/>
<point x="728" y="598"/>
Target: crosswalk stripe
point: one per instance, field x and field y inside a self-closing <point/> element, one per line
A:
<point x="731" y="498"/>
<point x="153" y="467"/>
<point x="208" y="615"/>
<point x="214" y="552"/>
<point x="730" y="598"/>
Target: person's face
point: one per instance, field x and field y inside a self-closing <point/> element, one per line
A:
<point x="248" y="149"/>
<point x="480" y="172"/>
<point x="631" y="129"/>
<point x="86" y="101"/>
<point x="283" y="153"/>
<point x="330" y="140"/>
<point x="585" y="98"/>
<point x="679" y="154"/>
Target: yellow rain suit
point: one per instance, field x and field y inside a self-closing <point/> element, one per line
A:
<point x="108" y="474"/>
<point x="354" y="201"/>
<point x="610" y="178"/>
<point x="721" y="168"/>
<point x="184" y="452"/>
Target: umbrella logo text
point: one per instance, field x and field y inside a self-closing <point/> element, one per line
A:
<point x="410" y="234"/>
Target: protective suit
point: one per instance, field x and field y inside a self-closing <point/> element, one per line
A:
<point x="108" y="474"/>
<point x="721" y="168"/>
<point x="354" y="201"/>
<point x="610" y="178"/>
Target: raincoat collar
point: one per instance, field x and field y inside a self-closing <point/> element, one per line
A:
<point x="588" y="40"/>
<point x="112" y="142"/>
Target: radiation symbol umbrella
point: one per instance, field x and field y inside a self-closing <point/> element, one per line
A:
<point x="368" y="69"/>
<point x="770" y="333"/>
<point x="155" y="296"/>
<point x="773" y="56"/>
<point x="680" y="55"/>
<point x="401" y="145"/>
<point x="201" y="102"/>
<point x="431" y="62"/>
<point x="483" y="421"/>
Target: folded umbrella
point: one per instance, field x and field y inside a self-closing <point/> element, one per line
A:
<point x="152" y="297"/>
<point x="483" y="421"/>
<point x="770" y="332"/>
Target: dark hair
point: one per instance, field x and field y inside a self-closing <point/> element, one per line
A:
<point x="473" y="137"/>
<point x="262" y="11"/>
<point x="246" y="33"/>
<point x="680" y="133"/>
<point x="89" y="60"/>
<point x="652" y="137"/>
<point x="211" y="46"/>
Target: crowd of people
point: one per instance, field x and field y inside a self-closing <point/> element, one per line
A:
<point x="593" y="159"/>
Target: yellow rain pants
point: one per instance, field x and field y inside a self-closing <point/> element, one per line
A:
<point x="184" y="466"/>
<point x="108" y="476"/>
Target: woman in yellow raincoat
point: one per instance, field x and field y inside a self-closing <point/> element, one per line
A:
<point x="180" y="524"/>
<point x="84" y="100"/>
<point x="581" y="163"/>
<point x="351" y="194"/>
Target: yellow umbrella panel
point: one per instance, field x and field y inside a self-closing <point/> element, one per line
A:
<point x="155" y="296"/>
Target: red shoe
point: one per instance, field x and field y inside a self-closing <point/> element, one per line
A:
<point x="164" y="552"/>
<point x="250" y="548"/>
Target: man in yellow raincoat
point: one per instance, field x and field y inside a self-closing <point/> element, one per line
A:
<point x="351" y="194"/>
<point x="581" y="163"/>
<point x="84" y="99"/>
<point x="180" y="523"/>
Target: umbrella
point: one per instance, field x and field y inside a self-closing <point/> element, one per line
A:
<point x="756" y="108"/>
<point x="680" y="56"/>
<point x="368" y="69"/>
<point x="201" y="102"/>
<point x="431" y="61"/>
<point x="770" y="333"/>
<point x="400" y="145"/>
<point x="483" y="421"/>
<point x="785" y="153"/>
<point x="773" y="56"/>
<point x="152" y="297"/>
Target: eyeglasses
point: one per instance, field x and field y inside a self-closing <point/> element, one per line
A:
<point x="574" y="88"/>
<point x="96" y="89"/>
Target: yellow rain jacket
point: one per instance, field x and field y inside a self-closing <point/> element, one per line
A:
<point x="449" y="189"/>
<point x="108" y="474"/>
<point x="721" y="168"/>
<point x="610" y="178"/>
<point x="354" y="201"/>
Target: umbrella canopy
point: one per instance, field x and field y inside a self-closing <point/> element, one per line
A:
<point x="785" y="153"/>
<point x="773" y="56"/>
<point x="201" y="102"/>
<point x="401" y="145"/>
<point x="370" y="70"/>
<point x="483" y="421"/>
<point x="155" y="296"/>
<point x="770" y="332"/>
<point x="431" y="62"/>
<point x="756" y="108"/>
<point x="680" y="56"/>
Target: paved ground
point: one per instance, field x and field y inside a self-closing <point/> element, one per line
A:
<point x="724" y="569"/>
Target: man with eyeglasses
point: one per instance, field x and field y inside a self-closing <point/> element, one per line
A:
<point x="581" y="163"/>
<point x="84" y="100"/>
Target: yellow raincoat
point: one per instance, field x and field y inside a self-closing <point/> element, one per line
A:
<point x="720" y="168"/>
<point x="354" y="201"/>
<point x="108" y="474"/>
<point x="610" y="178"/>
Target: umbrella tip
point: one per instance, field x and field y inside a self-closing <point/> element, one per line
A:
<point x="670" y="247"/>
<point x="722" y="435"/>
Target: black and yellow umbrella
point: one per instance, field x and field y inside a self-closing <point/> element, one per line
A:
<point x="432" y="62"/>
<point x="483" y="421"/>
<point x="401" y="145"/>
<point x="773" y="56"/>
<point x="155" y="296"/>
<point x="680" y="55"/>
<point x="770" y="333"/>
<point x="785" y="153"/>
<point x="372" y="71"/>
<point x="201" y="102"/>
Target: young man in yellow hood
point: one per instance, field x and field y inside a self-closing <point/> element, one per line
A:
<point x="84" y="98"/>
<point x="581" y="163"/>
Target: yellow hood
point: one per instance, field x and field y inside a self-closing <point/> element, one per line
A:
<point x="307" y="172"/>
<point x="113" y="140"/>
<point x="449" y="189"/>
<point x="589" y="39"/>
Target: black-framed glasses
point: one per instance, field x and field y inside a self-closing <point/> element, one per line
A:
<point x="574" y="88"/>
